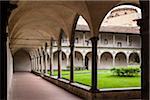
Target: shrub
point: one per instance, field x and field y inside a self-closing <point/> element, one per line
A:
<point x="76" y="68"/>
<point x="126" y="71"/>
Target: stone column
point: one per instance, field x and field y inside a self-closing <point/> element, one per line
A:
<point x="71" y="62"/>
<point x="42" y="63"/>
<point x="83" y="38"/>
<point x="83" y="61"/>
<point x="114" y="40"/>
<point x="98" y="63"/>
<point x="144" y="30"/>
<point x="33" y="63"/>
<point x="38" y="67"/>
<point x="67" y="60"/>
<point x="127" y="59"/>
<point x="51" y="58"/>
<point x="46" y="63"/>
<point x="94" y="64"/>
<point x="99" y="40"/>
<point x="59" y="61"/>
<point x="39" y="61"/>
<point x="127" y="40"/>
<point x="113" y="60"/>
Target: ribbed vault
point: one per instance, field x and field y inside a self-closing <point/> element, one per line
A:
<point x="33" y="23"/>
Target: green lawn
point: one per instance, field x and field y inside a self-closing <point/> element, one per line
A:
<point x="105" y="79"/>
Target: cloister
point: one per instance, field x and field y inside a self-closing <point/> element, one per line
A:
<point x="42" y="37"/>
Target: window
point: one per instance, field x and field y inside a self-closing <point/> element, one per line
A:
<point x="130" y="42"/>
<point x="119" y="44"/>
<point x="105" y="41"/>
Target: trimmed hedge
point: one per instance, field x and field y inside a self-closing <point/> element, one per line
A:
<point x="76" y="68"/>
<point x="126" y="71"/>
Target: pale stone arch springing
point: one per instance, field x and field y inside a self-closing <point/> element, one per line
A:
<point x="106" y="60"/>
<point x="120" y="59"/>
<point x="134" y="59"/>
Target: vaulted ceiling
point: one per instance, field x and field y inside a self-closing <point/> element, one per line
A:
<point x="33" y="23"/>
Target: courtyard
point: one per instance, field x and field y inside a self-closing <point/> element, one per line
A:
<point x="106" y="79"/>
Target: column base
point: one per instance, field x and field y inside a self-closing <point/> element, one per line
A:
<point x="94" y="90"/>
<point x="71" y="81"/>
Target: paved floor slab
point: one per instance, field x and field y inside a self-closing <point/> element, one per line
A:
<point x="27" y="86"/>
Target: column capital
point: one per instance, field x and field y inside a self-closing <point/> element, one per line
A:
<point x="94" y="39"/>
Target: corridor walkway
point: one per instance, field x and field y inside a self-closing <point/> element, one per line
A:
<point x="27" y="86"/>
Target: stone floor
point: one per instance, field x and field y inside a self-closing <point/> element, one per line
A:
<point x="27" y="86"/>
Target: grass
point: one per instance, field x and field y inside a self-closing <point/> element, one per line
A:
<point x="105" y="79"/>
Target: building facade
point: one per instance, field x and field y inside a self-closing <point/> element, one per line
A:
<point x="119" y="43"/>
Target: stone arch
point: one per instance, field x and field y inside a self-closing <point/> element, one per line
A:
<point x="64" y="39"/>
<point x="55" y="60"/>
<point x="78" y="59"/>
<point x="48" y="61"/>
<point x="106" y="60"/>
<point x="22" y="61"/>
<point x="64" y="60"/>
<point x="134" y="59"/>
<point x="78" y="31"/>
<point x="134" y="4"/>
<point x="120" y="59"/>
<point x="88" y="60"/>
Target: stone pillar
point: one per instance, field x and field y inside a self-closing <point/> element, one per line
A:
<point x="36" y="63"/>
<point x="71" y="62"/>
<point x="99" y="40"/>
<point x="46" y="63"/>
<point x="83" y="38"/>
<point x="83" y="61"/>
<point x="59" y="61"/>
<point x="113" y="60"/>
<point x="33" y="63"/>
<point x="42" y="63"/>
<point x="127" y="40"/>
<point x="94" y="64"/>
<point x="67" y="60"/>
<point x="114" y="40"/>
<point x="37" y="58"/>
<point x="144" y="30"/>
<point x="39" y="61"/>
<point x="127" y="59"/>
<point x="51" y="58"/>
<point x="98" y="63"/>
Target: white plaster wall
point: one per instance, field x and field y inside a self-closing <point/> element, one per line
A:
<point x="9" y="70"/>
<point x="22" y="61"/>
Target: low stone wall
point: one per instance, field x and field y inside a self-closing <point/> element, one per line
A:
<point x="85" y="93"/>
